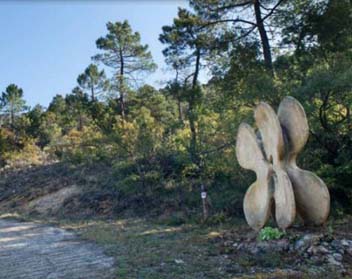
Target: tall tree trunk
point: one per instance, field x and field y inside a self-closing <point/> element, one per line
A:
<point x="192" y="116"/>
<point x="12" y="114"/>
<point x="178" y="98"/>
<point x="263" y="37"/>
<point x="80" y="123"/>
<point x="196" y="71"/>
<point x="122" y="85"/>
<point x="193" y="145"/>
<point x="179" y="107"/>
<point x="92" y="93"/>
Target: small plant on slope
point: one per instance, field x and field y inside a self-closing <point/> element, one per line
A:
<point x="269" y="233"/>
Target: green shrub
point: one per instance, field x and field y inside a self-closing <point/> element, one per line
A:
<point x="269" y="233"/>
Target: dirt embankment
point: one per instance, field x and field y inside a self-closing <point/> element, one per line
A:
<point x="56" y="190"/>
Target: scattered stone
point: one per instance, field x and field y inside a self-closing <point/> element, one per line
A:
<point x="322" y="250"/>
<point x="228" y="243"/>
<point x="345" y="243"/>
<point x="331" y="260"/>
<point x="305" y="242"/>
<point x="315" y="258"/>
<point x="254" y="250"/>
<point x="336" y="244"/>
<point x="314" y="252"/>
<point x="338" y="257"/>
<point x="235" y="268"/>
<point x="349" y="251"/>
<point x="179" y="261"/>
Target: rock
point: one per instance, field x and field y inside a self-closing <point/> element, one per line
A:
<point x="235" y="268"/>
<point x="349" y="251"/>
<point x="306" y="241"/>
<point x="331" y="260"/>
<point x="322" y="250"/>
<point x="336" y="244"/>
<point x="274" y="246"/>
<point x="345" y="243"/>
<point x="338" y="257"/>
<point x="312" y="250"/>
<point x="300" y="244"/>
<point x="316" y="250"/>
<point x="254" y="250"/>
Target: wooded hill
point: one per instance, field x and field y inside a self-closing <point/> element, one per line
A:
<point x="157" y="147"/>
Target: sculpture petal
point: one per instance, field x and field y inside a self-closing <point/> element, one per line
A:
<point x="248" y="151"/>
<point x="278" y="177"/>
<point x="285" y="207"/>
<point x="311" y="194"/>
<point x="270" y="130"/>
<point x="257" y="201"/>
<point x="257" y="204"/>
<point x="294" y="123"/>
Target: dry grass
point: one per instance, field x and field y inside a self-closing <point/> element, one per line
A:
<point x="144" y="249"/>
<point x="147" y="250"/>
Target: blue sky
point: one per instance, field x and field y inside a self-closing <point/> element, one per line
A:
<point x="45" y="45"/>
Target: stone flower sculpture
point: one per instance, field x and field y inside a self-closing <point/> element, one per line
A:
<point x="281" y="188"/>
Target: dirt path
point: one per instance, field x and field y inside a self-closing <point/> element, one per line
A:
<point x="34" y="251"/>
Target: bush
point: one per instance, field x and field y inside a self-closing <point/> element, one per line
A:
<point x="269" y="233"/>
<point x="29" y="155"/>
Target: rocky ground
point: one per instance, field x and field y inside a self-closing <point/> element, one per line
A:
<point x="311" y="252"/>
<point x="148" y="249"/>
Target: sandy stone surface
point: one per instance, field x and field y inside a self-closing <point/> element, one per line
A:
<point x="34" y="251"/>
<point x="52" y="202"/>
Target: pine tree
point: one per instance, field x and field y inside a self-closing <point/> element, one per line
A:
<point x="92" y="80"/>
<point x="12" y="102"/>
<point x="124" y="53"/>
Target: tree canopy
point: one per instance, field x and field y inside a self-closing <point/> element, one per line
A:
<point x="124" y="53"/>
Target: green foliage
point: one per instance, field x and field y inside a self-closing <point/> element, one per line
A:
<point x="124" y="53"/>
<point x="269" y="233"/>
<point x="121" y="42"/>
<point x="12" y="102"/>
<point x="93" y="80"/>
<point x="29" y="155"/>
